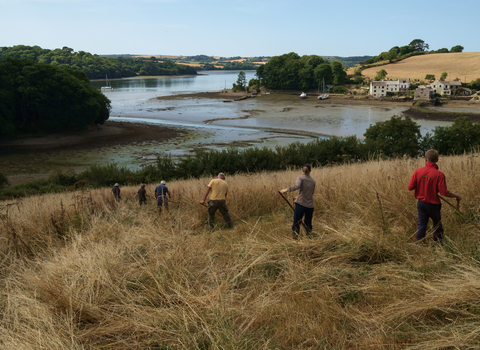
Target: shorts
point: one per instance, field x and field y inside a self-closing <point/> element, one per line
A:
<point x="162" y="201"/>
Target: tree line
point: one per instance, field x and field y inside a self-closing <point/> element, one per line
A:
<point x="414" y="48"/>
<point x="95" y="66"/>
<point x="39" y="97"/>
<point x="292" y="72"/>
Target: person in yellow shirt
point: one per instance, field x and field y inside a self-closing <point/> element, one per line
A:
<point x="218" y="188"/>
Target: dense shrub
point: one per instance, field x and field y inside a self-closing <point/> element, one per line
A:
<point x="3" y="181"/>
<point x="394" y="137"/>
<point x="339" y="90"/>
<point x="461" y="136"/>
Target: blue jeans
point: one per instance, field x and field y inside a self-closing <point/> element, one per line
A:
<point x="426" y="211"/>
<point x="298" y="214"/>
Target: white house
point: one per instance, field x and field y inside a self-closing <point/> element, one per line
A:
<point x="404" y="84"/>
<point x="445" y="87"/>
<point x="392" y="86"/>
<point x="378" y="88"/>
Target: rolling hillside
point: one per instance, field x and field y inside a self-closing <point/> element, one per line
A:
<point x="462" y="65"/>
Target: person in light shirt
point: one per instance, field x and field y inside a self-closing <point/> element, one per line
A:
<point x="218" y="189"/>
<point x="304" y="201"/>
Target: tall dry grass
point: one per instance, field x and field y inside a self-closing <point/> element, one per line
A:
<point x="80" y="271"/>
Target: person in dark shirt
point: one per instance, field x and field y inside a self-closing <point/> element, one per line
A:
<point x="161" y="192"/>
<point x="116" y="192"/>
<point x="142" y="195"/>
<point x="427" y="183"/>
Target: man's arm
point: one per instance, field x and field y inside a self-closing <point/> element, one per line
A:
<point x="453" y="195"/>
<point x="206" y="194"/>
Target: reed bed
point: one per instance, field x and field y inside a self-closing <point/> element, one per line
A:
<point x="81" y="271"/>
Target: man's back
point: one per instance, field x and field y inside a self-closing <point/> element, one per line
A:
<point x="161" y="190"/>
<point x="219" y="189"/>
<point x="427" y="182"/>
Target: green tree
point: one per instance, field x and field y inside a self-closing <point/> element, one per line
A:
<point x="241" y="81"/>
<point x="339" y="73"/>
<point x="394" y="137"/>
<point x="419" y="45"/>
<point x="322" y="73"/>
<point x="358" y="79"/>
<point x="443" y="76"/>
<point x="430" y="77"/>
<point x="461" y="136"/>
<point x="475" y="84"/>
<point x="393" y="53"/>
<point x="43" y="97"/>
<point x="457" y="48"/>
<point x="381" y="74"/>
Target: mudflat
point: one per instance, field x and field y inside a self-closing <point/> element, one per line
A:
<point x="109" y="134"/>
<point x="31" y="158"/>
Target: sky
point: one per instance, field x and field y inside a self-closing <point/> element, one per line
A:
<point x="239" y="27"/>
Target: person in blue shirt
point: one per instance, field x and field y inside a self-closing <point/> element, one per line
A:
<point x="161" y="192"/>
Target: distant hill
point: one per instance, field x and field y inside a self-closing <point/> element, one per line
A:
<point x="194" y="60"/>
<point x="462" y="65"/>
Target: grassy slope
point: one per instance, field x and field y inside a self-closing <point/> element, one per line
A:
<point x="464" y="65"/>
<point x="97" y="274"/>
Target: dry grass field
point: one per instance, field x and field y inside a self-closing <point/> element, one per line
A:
<point x="462" y="65"/>
<point x="79" y="271"/>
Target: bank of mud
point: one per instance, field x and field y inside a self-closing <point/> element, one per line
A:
<point x="425" y="111"/>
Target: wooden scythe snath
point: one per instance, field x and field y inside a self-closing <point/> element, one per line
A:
<point x="291" y="206"/>
<point x="459" y="212"/>
<point x="183" y="205"/>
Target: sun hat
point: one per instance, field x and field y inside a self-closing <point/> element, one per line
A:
<point x="162" y="182"/>
<point x="116" y="184"/>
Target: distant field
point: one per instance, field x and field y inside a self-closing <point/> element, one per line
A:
<point x="193" y="64"/>
<point x="462" y="65"/>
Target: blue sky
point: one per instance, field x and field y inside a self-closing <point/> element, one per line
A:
<point x="238" y="27"/>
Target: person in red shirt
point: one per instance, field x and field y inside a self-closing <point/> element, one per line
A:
<point x="427" y="183"/>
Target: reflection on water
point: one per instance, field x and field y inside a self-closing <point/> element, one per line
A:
<point x="204" y="81"/>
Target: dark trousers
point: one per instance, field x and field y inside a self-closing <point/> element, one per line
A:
<point x="220" y="205"/>
<point x="425" y="212"/>
<point x="299" y="213"/>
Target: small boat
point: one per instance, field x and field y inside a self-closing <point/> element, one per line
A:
<point x="303" y="95"/>
<point x="107" y="86"/>
<point x="323" y="96"/>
